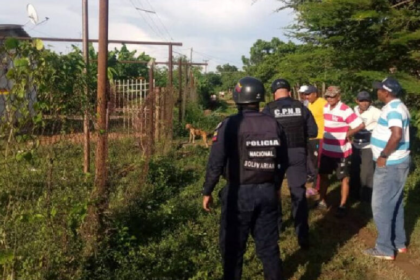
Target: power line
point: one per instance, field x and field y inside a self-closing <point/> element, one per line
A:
<point x="158" y="33"/>
<point x="170" y="36"/>
<point x="147" y="11"/>
<point x="182" y="50"/>
<point x="209" y="56"/>
<point x="179" y="48"/>
<point x="152" y="20"/>
<point x="158" y="51"/>
<point x="213" y="57"/>
<point x="141" y="14"/>
<point x="40" y="32"/>
<point x="179" y="53"/>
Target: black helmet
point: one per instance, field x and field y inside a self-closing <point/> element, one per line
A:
<point x="248" y="90"/>
<point x="280" y="83"/>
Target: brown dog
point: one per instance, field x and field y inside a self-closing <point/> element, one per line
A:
<point x="196" y="132"/>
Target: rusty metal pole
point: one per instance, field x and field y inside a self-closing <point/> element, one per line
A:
<point x="170" y="67"/>
<point x="180" y="91"/>
<point x="101" y="149"/>
<point x="86" y="146"/>
<point x="193" y="90"/>
<point x="157" y="113"/>
<point x="164" y="122"/>
<point x="205" y="61"/>
<point x="185" y="93"/>
<point x="170" y="82"/>
<point x="93" y="227"/>
<point x="151" y="109"/>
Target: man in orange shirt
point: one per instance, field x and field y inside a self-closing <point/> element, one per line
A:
<point x="316" y="106"/>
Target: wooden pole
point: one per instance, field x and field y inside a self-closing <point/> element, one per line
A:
<point x="101" y="156"/>
<point x="184" y="95"/>
<point x="170" y="72"/>
<point x="151" y="110"/>
<point x="94" y="226"/>
<point x="86" y="146"/>
<point x="180" y="102"/>
<point x="157" y="113"/>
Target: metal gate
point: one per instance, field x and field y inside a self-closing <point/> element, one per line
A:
<point x="126" y="107"/>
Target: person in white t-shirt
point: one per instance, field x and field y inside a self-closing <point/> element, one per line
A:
<point x="363" y="166"/>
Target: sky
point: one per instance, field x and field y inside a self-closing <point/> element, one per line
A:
<point x="220" y="31"/>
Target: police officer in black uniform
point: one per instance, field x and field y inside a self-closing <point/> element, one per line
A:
<point x="247" y="150"/>
<point x="299" y="125"/>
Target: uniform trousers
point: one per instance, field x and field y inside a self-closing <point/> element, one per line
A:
<point x="296" y="180"/>
<point x="250" y="209"/>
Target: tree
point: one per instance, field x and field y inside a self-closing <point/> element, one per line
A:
<point x="263" y="52"/>
<point x="161" y="76"/>
<point x="128" y="70"/>
<point x="266" y="58"/>
<point x="367" y="39"/>
<point x="226" y="68"/>
<point x="207" y="85"/>
<point x="229" y="76"/>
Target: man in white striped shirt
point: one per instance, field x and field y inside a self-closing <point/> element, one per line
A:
<point x="340" y="123"/>
<point x="391" y="150"/>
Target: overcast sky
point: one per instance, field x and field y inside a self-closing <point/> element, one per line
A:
<point x="218" y="30"/>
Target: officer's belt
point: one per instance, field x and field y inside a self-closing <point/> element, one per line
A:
<point x="361" y="141"/>
<point x="362" y="137"/>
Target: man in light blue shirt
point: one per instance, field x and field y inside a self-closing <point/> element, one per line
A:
<point x="391" y="150"/>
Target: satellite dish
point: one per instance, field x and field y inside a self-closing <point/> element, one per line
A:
<point x="32" y="14"/>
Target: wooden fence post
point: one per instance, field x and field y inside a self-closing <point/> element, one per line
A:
<point x="180" y="100"/>
<point x="157" y="113"/>
<point x="185" y="93"/>
<point x="151" y="108"/>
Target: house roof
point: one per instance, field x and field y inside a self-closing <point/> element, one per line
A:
<point x="12" y="30"/>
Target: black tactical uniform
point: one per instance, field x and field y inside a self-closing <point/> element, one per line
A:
<point x="247" y="150"/>
<point x="299" y="125"/>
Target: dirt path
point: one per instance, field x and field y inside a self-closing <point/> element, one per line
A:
<point x="364" y="235"/>
<point x="402" y="261"/>
<point x="368" y="238"/>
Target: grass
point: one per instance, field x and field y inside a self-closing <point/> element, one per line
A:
<point x="337" y="244"/>
<point x="337" y="247"/>
<point x="158" y="229"/>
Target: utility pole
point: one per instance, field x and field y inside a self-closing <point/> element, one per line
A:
<point x="151" y="143"/>
<point x="170" y="67"/>
<point x="101" y="174"/>
<point x="94" y="223"/>
<point x="190" y="69"/>
<point x="184" y="95"/>
<point x="205" y="61"/>
<point x="191" y="55"/>
<point x="180" y="101"/>
<point x="86" y="146"/>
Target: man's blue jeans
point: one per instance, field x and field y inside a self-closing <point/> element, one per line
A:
<point x="387" y="206"/>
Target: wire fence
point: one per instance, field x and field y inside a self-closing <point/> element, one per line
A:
<point x="45" y="194"/>
<point x="130" y="114"/>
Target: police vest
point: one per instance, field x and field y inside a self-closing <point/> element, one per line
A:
<point x="291" y="119"/>
<point x="257" y="140"/>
